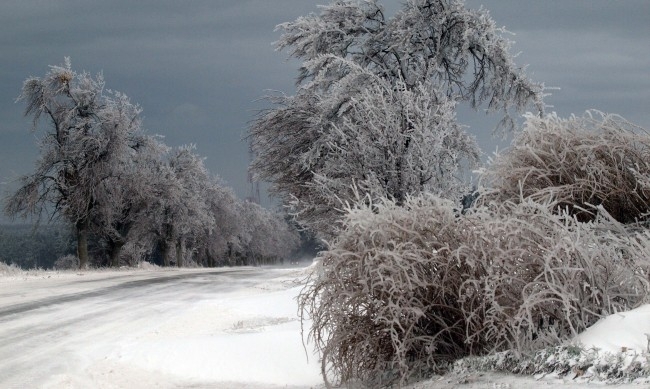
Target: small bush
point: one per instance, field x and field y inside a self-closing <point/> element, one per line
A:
<point x="378" y="298"/>
<point x="67" y="262"/>
<point x="9" y="269"/>
<point x="404" y="291"/>
<point x="147" y="266"/>
<point x="540" y="277"/>
<point x="134" y="252"/>
<point x="576" y="164"/>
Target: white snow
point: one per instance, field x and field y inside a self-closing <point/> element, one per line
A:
<point x="221" y="330"/>
<point x="242" y="339"/>
<point x="624" y="331"/>
<point x="228" y="328"/>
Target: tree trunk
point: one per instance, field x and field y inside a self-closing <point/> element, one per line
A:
<point x="210" y="258"/>
<point x="179" y="253"/>
<point x="401" y="166"/>
<point x="164" y="250"/>
<point x="82" y="242"/>
<point x="167" y="241"/>
<point x="115" y="248"/>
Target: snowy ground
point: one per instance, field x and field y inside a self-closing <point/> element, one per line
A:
<point x="226" y="328"/>
<point x="200" y="328"/>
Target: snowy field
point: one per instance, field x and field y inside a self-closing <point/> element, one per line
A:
<point x="196" y="328"/>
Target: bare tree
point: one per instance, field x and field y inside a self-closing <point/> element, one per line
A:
<point x="89" y="130"/>
<point x="124" y="199"/>
<point x="394" y="80"/>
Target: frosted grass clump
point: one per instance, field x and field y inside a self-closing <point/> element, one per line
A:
<point x="67" y="262"/>
<point x="405" y="290"/>
<point x="576" y="164"/>
<point x="9" y="269"/>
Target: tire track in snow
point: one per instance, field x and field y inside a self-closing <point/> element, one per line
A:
<point x="73" y="297"/>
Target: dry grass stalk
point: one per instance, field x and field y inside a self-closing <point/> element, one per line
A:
<point x="405" y="289"/>
<point x="577" y="164"/>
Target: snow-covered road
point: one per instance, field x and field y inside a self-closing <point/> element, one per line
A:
<point x="223" y="328"/>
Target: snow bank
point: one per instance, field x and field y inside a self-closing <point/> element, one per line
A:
<point x="247" y="338"/>
<point x="619" y="332"/>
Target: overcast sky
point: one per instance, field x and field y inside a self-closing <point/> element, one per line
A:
<point x="198" y="67"/>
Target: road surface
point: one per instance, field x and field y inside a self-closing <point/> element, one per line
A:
<point x="109" y="329"/>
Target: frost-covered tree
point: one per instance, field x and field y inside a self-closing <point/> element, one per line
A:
<point x="179" y="212"/>
<point x="213" y="243"/>
<point x="460" y="50"/>
<point x="376" y="139"/>
<point x="265" y="236"/>
<point x="89" y="132"/>
<point x="125" y="198"/>
<point x="375" y="100"/>
<point x="191" y="216"/>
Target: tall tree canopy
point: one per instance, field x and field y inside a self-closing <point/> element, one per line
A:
<point x="374" y="113"/>
<point x="90" y="132"/>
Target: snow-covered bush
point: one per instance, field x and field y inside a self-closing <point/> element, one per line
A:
<point x="9" y="269"/>
<point x="385" y="294"/>
<point x="67" y="262"/>
<point x="144" y="265"/>
<point x="576" y="164"/>
<point x="541" y="277"/>
<point x="135" y="251"/>
<point x="406" y="289"/>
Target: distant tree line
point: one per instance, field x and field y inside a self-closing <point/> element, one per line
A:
<point x="127" y="196"/>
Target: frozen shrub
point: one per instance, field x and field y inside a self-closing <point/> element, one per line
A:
<point x="147" y="266"/>
<point x="135" y="252"/>
<point x="385" y="294"/>
<point x="67" y="262"/>
<point x="405" y="290"/>
<point x="9" y="269"/>
<point x="576" y="164"/>
<point x="539" y="277"/>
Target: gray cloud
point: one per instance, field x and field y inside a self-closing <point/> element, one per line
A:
<point x="594" y="50"/>
<point x="197" y="68"/>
